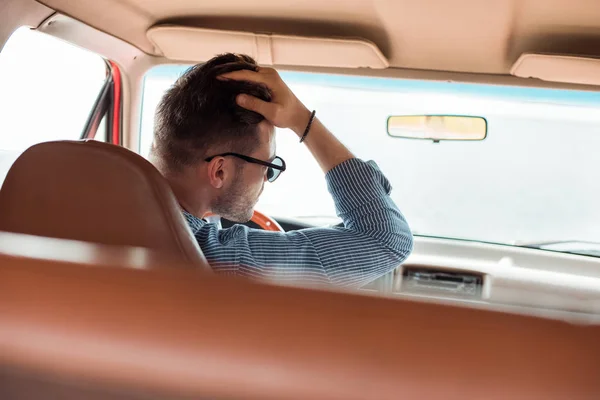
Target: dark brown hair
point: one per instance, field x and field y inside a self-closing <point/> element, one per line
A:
<point x="199" y="112"/>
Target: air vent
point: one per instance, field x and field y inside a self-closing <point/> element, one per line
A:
<point x="441" y="282"/>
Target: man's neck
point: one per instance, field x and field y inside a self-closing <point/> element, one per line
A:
<point x="190" y="197"/>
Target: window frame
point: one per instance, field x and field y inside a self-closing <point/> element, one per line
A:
<point x="108" y="104"/>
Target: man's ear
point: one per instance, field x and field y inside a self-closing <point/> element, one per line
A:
<point x="217" y="172"/>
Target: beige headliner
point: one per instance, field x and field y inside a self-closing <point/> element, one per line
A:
<point x="475" y="36"/>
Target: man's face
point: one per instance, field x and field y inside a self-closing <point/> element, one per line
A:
<point x="239" y="196"/>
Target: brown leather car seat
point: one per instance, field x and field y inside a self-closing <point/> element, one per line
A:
<point x="94" y="192"/>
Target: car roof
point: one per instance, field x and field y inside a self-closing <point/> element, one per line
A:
<point x="468" y="36"/>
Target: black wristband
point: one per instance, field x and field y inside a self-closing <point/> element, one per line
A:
<point x="310" y="121"/>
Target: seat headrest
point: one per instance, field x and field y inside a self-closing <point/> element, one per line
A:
<point x="94" y="192"/>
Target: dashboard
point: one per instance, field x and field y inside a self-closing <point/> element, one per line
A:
<point x="501" y="277"/>
<point x="507" y="278"/>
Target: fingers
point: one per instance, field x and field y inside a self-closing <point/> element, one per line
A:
<point x="263" y="75"/>
<point x="234" y="66"/>
<point x="264" y="108"/>
<point x="242" y="75"/>
<point x="268" y="77"/>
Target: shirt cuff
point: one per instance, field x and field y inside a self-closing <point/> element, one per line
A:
<point x="354" y="183"/>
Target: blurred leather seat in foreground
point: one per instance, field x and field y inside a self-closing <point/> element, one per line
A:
<point x="111" y="326"/>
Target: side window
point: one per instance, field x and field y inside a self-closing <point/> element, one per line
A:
<point x="48" y="88"/>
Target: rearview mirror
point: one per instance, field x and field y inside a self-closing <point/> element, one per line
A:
<point x="437" y="127"/>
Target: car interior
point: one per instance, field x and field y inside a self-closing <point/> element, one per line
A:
<point x="483" y="115"/>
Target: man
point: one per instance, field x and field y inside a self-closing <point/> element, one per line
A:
<point x="215" y="144"/>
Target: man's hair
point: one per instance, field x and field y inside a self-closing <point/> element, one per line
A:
<point x="199" y="113"/>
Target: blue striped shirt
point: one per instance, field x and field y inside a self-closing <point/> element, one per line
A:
<point x="374" y="240"/>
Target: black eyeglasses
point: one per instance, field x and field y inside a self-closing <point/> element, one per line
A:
<point x="275" y="167"/>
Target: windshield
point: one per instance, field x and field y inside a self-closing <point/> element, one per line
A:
<point x="534" y="179"/>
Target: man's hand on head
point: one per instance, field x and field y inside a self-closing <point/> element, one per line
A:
<point x="284" y="110"/>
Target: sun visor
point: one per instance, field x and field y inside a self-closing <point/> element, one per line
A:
<point x="197" y="44"/>
<point x="558" y="68"/>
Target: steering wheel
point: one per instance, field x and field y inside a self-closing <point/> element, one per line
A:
<point x="264" y="221"/>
